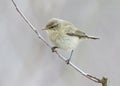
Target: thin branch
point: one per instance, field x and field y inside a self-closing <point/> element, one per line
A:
<point x="103" y="81"/>
<point x="29" y="23"/>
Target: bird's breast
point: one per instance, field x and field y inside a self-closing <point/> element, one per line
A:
<point x="64" y="41"/>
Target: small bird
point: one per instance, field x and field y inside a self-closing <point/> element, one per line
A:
<point x="65" y="35"/>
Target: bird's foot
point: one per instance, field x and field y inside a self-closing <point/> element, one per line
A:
<point x="67" y="60"/>
<point x="53" y="49"/>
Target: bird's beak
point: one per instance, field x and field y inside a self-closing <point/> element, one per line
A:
<point x="44" y="29"/>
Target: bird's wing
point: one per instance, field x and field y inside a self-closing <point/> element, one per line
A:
<point x="71" y="30"/>
<point x="77" y="33"/>
<point x="80" y="35"/>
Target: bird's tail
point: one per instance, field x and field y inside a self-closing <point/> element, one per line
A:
<point x="92" y="37"/>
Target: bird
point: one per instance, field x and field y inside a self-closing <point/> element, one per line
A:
<point x="64" y="35"/>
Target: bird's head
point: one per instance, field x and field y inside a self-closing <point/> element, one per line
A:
<point x="54" y="24"/>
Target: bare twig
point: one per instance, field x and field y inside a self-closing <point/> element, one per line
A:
<point x="103" y="81"/>
<point x="29" y="23"/>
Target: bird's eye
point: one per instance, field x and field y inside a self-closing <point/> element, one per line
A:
<point x="53" y="26"/>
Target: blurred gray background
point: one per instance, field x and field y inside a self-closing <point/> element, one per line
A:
<point x="26" y="61"/>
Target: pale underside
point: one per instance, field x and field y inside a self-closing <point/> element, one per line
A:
<point x="64" y="41"/>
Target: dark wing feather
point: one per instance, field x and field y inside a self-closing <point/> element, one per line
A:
<point x="75" y="32"/>
<point x="78" y="34"/>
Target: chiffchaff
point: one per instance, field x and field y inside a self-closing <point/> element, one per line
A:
<point x="64" y="34"/>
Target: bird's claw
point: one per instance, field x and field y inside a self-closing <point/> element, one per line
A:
<point x="53" y="49"/>
<point x="67" y="61"/>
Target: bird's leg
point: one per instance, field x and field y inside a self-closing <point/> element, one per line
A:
<point x="68" y="60"/>
<point x="53" y="48"/>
